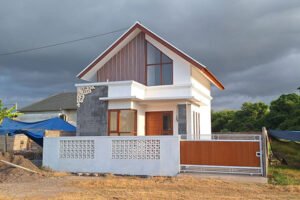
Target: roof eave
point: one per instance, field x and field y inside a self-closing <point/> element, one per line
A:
<point x="107" y="51"/>
<point x="137" y="25"/>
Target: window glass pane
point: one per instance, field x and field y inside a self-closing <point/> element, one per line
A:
<point x="166" y="59"/>
<point x="153" y="54"/>
<point x="113" y="120"/>
<point x="167" y="120"/>
<point x="153" y="75"/>
<point x="127" y="121"/>
<point x="167" y="74"/>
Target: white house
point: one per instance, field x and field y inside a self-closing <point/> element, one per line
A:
<point x="139" y="90"/>
<point x="143" y="85"/>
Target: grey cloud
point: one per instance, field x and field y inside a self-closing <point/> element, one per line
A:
<point x="247" y="44"/>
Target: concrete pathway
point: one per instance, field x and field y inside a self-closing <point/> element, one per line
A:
<point x="229" y="177"/>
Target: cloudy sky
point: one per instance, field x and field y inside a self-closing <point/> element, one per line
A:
<point x="252" y="46"/>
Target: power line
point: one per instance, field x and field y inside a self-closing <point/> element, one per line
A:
<point x="61" y="43"/>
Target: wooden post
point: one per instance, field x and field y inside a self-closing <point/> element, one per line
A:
<point x="18" y="166"/>
<point x="265" y="153"/>
<point x="5" y="143"/>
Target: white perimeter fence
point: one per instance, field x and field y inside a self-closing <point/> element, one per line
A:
<point x="136" y="155"/>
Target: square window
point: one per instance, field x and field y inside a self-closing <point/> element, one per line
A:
<point x="159" y="67"/>
<point x="122" y="122"/>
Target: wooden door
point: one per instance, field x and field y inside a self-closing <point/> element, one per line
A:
<point x="159" y="123"/>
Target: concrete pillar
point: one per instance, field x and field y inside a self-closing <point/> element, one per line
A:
<point x="92" y="113"/>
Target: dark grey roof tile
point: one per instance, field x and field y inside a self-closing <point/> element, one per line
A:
<point x="61" y="101"/>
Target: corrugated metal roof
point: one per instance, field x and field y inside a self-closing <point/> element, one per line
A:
<point x="61" y="101"/>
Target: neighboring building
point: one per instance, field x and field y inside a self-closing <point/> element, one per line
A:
<point x="13" y="143"/>
<point x="143" y="85"/>
<point x="61" y="105"/>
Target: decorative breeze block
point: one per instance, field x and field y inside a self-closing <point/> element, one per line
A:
<point x="77" y="149"/>
<point x="136" y="149"/>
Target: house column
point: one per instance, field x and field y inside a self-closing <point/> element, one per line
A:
<point x="205" y="122"/>
<point x="91" y="112"/>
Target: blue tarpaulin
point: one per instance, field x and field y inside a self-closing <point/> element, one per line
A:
<point x="34" y="130"/>
<point x="286" y="135"/>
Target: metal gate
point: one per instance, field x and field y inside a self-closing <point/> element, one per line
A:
<point x="223" y="153"/>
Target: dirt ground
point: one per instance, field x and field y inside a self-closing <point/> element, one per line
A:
<point x="126" y="187"/>
<point x="19" y="184"/>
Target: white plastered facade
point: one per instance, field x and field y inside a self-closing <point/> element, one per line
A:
<point x="189" y="87"/>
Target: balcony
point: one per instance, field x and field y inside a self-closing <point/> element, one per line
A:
<point x="132" y="90"/>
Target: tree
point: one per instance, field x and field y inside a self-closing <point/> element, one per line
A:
<point x="285" y="113"/>
<point x="7" y="112"/>
<point x="221" y="121"/>
<point x="251" y="117"/>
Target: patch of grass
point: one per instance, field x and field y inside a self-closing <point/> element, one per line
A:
<point x="284" y="175"/>
<point x="290" y="150"/>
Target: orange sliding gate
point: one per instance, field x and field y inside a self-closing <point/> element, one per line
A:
<point x="236" y="154"/>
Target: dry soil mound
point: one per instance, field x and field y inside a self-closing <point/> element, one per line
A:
<point x="12" y="174"/>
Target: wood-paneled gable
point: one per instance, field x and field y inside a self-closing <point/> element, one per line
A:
<point x="127" y="64"/>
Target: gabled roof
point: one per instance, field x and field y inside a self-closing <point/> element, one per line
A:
<point x="57" y="102"/>
<point x="138" y="27"/>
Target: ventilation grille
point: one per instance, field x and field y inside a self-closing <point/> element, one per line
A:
<point x="77" y="149"/>
<point x="136" y="149"/>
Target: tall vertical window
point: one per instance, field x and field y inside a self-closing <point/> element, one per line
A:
<point x="122" y="122"/>
<point x="196" y="125"/>
<point x="167" y="118"/>
<point x="159" y="67"/>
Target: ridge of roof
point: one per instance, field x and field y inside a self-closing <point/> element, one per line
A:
<point x="55" y="102"/>
<point x="138" y="25"/>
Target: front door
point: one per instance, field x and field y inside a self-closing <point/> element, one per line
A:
<point x="159" y="123"/>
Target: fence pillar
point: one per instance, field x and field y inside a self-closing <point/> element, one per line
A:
<point x="265" y="154"/>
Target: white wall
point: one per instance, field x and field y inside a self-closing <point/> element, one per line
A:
<point x="131" y="90"/>
<point x="200" y="81"/>
<point x="205" y="121"/>
<point x="141" y="118"/>
<point x="143" y="107"/>
<point x="100" y="154"/>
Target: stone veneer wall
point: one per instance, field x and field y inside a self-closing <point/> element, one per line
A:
<point x="92" y="113"/>
<point x="182" y="119"/>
